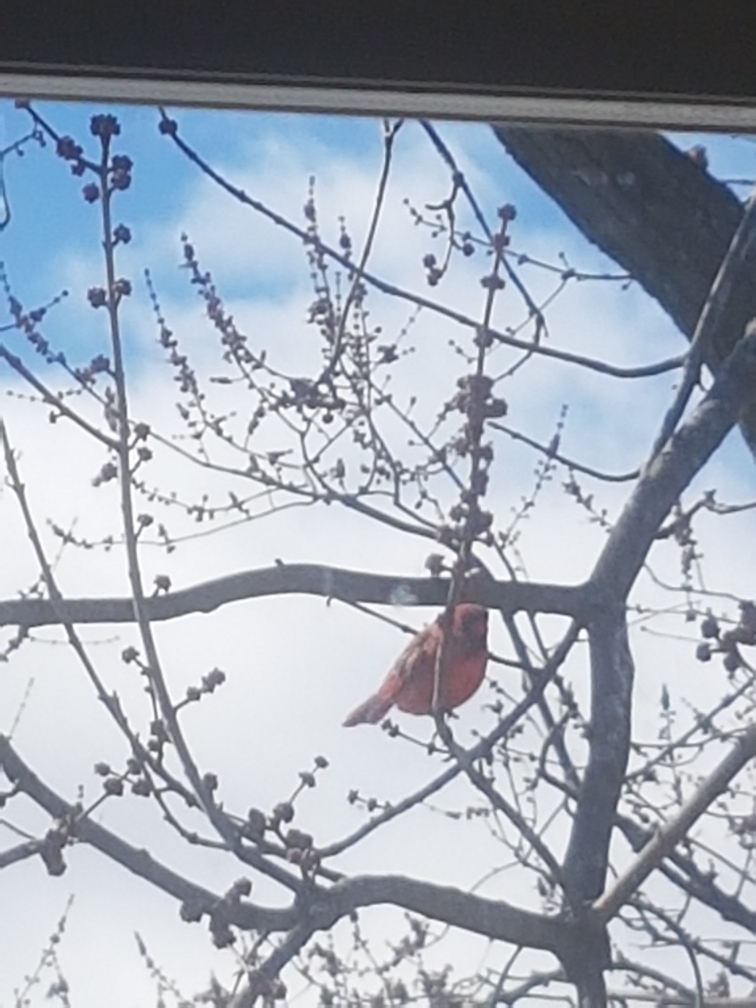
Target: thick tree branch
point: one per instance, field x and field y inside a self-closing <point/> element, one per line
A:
<point x="688" y="877"/>
<point x="609" y="739"/>
<point x="700" y="885"/>
<point x="659" y="215"/>
<point x="20" y="852"/>
<point x="662" y="217"/>
<point x="685" y="874"/>
<point x="491" y="918"/>
<point x="306" y="579"/>
<point x="613" y="576"/>
<point x="736" y="268"/>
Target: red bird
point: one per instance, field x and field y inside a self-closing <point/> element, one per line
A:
<point x="409" y="684"/>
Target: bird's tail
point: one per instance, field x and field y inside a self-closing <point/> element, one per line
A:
<point x="371" y="712"/>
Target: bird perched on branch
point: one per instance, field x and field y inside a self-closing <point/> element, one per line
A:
<point x="409" y="684"/>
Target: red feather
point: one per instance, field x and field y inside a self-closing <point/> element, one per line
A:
<point x="409" y="684"/>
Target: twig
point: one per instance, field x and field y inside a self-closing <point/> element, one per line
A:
<point x="670" y="364"/>
<point x="53" y="400"/>
<point x="569" y="463"/>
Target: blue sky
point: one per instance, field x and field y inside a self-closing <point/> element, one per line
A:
<point x="53" y="232"/>
<point x="162" y="177"/>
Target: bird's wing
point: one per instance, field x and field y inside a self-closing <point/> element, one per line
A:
<point x="419" y="655"/>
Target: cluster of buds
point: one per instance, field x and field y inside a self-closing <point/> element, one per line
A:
<point x="467" y="248"/>
<point x="300" y="850"/>
<point x="119" y="175"/>
<point x="27" y="323"/>
<point x="98" y="365"/>
<point x="98" y="296"/>
<point x="231" y="337"/>
<point x="307" y="394"/>
<point x="114" y="783"/>
<point x="104" y="126"/>
<point x="108" y="472"/>
<point x="69" y="150"/>
<point x="120" y="171"/>
<point x="727" y="642"/>
<point x="475" y="399"/>
<point x="141" y="432"/>
<point x="222" y="912"/>
<point x="168" y="127"/>
<point x="209" y="683"/>
<point x="299" y="846"/>
<point x="369" y="804"/>
<point x="51" y="849"/>
<point x="468" y="516"/>
<point x="434" y="272"/>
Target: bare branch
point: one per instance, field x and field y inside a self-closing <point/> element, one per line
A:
<point x="261" y="979"/>
<point x="611" y="662"/>
<point x="643" y="371"/>
<point x="20" y="852"/>
<point x="667" y="838"/>
<point x="136" y="860"/>
<point x="672" y="470"/>
<point x="307" y="579"/>
<point x="52" y="400"/>
<point x="551" y="453"/>
<point x="492" y="918"/>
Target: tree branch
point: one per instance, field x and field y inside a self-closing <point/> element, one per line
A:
<point x="491" y="918"/>
<point x="660" y="216"/>
<point x="138" y="861"/>
<point x="667" y="476"/>
<point x="737" y="267"/>
<point x="259" y="983"/>
<point x="667" y="838"/>
<point x="613" y="576"/>
<point x="56" y="402"/>
<point x="414" y="298"/>
<point x="609" y="739"/>
<point x="20" y="852"/>
<point x="320" y="911"/>
<point x="306" y="579"/>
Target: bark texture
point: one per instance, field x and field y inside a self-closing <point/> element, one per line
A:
<point x="652" y="209"/>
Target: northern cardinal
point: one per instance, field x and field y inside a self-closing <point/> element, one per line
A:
<point x="409" y="684"/>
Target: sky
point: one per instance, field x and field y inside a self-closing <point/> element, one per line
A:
<point x="296" y="665"/>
